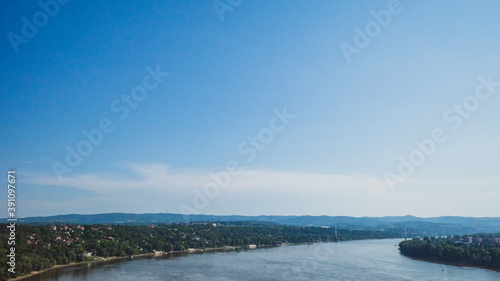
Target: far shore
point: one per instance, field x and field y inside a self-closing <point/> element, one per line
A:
<point x="460" y="264"/>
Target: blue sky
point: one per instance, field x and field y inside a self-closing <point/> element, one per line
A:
<point x="227" y="79"/>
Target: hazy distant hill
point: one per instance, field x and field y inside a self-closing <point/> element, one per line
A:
<point x="415" y="225"/>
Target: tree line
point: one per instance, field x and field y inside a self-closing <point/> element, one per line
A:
<point x="453" y="249"/>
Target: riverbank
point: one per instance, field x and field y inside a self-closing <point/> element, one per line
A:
<point x="98" y="260"/>
<point x="459" y="264"/>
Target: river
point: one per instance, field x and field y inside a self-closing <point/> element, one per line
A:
<point x="350" y="260"/>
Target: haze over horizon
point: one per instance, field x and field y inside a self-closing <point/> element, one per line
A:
<point x="271" y="108"/>
<point x="303" y="215"/>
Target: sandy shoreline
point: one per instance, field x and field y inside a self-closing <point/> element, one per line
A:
<point x="188" y="251"/>
<point x="98" y="260"/>
<point x="102" y="259"/>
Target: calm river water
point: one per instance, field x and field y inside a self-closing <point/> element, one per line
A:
<point x="352" y="260"/>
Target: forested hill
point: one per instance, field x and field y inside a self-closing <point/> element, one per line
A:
<point x="416" y="226"/>
<point x="476" y="250"/>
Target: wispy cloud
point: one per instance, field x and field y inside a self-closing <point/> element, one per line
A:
<point x="158" y="187"/>
<point x="161" y="178"/>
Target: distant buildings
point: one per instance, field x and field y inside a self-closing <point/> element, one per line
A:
<point x="477" y="240"/>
